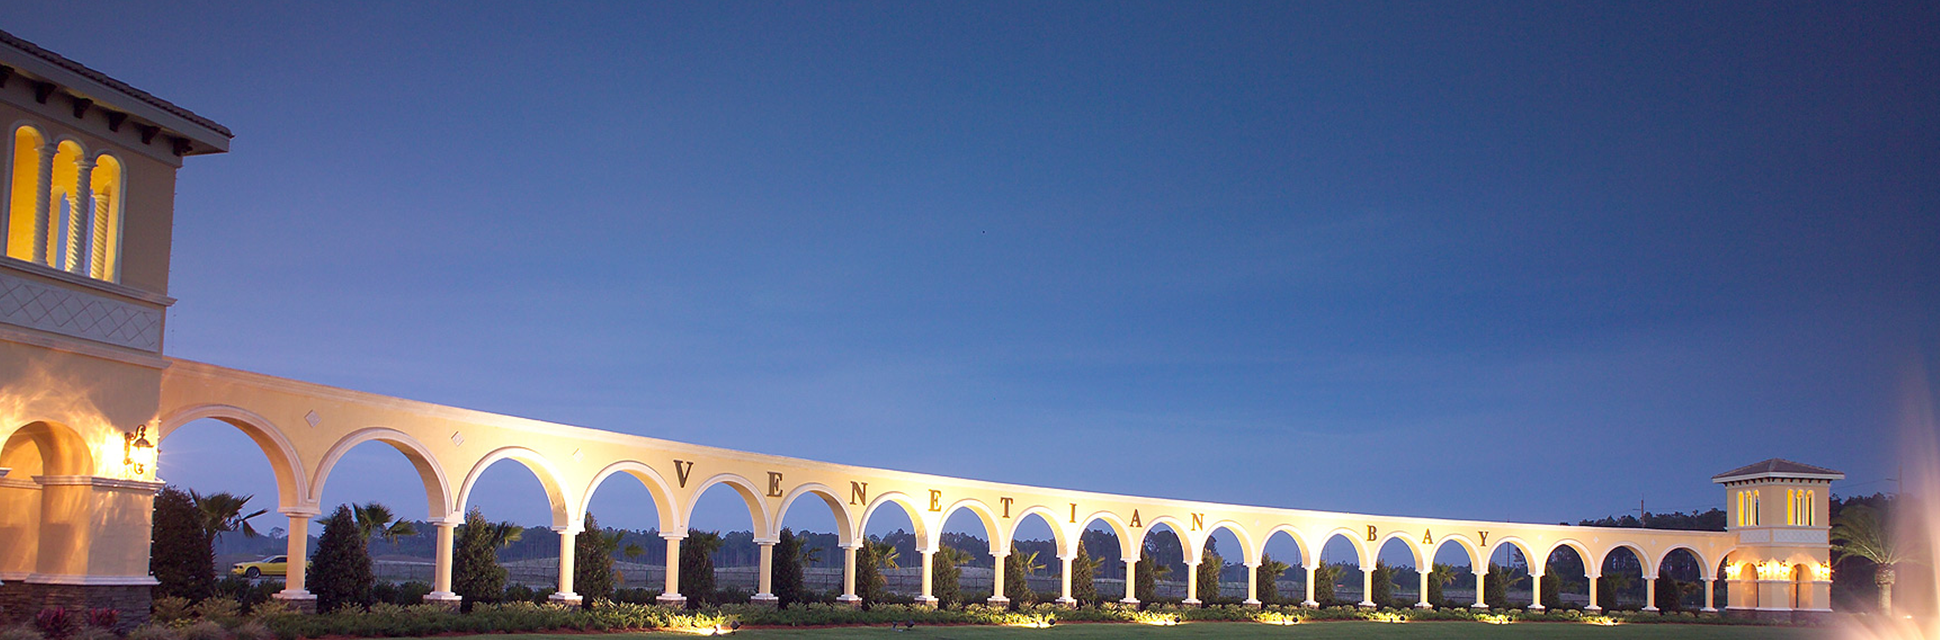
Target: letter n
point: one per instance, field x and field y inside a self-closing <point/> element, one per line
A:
<point x="858" y="492"/>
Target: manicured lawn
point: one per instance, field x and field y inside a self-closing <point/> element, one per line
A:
<point x="1315" y="630"/>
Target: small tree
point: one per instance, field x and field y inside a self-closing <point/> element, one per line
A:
<point x="1552" y="591"/>
<point x="1496" y="584"/>
<point x="375" y="519"/>
<point x="697" y="566"/>
<point x="1860" y="531"/>
<point x="1383" y="592"/>
<point x="869" y="583"/>
<point x="593" y="561"/>
<point x="1084" y="569"/>
<point x="946" y="574"/>
<point x="1018" y="568"/>
<point x="341" y="575"/>
<point x="180" y="552"/>
<point x="475" y="573"/>
<point x="1439" y="578"/>
<point x="1670" y="594"/>
<point x="1149" y="572"/>
<point x="1267" y="577"/>
<point x="1324" y="577"/>
<point x="1210" y="566"/>
<point x="789" y="586"/>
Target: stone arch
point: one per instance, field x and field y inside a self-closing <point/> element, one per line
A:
<point x="55" y="449"/>
<point x="1461" y="541"/>
<point x="999" y="541"/>
<point x="1536" y="565"/>
<point x="924" y="542"/>
<point x="1127" y="547"/>
<point x="538" y="465"/>
<point x="1299" y="542"/>
<point x="844" y="522"/>
<point x="1592" y="563"/>
<point x="1407" y="541"/>
<point x="1644" y="560"/>
<point x="1249" y="552"/>
<point x="656" y="486"/>
<point x="437" y="487"/>
<point x="1353" y="538"/>
<point x="1705" y="565"/>
<point x="292" y="481"/>
<point x="757" y="508"/>
<point x="1066" y="544"/>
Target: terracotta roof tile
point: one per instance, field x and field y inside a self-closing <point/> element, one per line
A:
<point x="76" y="67"/>
<point x="1777" y="465"/>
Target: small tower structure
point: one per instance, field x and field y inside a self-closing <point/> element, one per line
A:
<point x="1782" y="567"/>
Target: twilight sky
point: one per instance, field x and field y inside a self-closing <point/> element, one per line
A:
<point x="1499" y="261"/>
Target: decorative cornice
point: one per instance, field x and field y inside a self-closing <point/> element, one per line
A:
<point x="79" y="313"/>
<point x="98" y="481"/>
<point x="92" y="581"/>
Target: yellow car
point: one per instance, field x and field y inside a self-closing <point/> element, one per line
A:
<point x="270" y="566"/>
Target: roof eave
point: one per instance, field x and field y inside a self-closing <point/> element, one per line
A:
<point x="1828" y="477"/>
<point x="205" y="139"/>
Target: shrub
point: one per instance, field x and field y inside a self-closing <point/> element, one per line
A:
<point x="1670" y="594"/>
<point x="593" y="561"/>
<point x="253" y="630"/>
<point x="1382" y="594"/>
<point x="103" y="617"/>
<point x="1084" y="585"/>
<point x="21" y="632"/>
<point x="93" y="633"/>
<point x="1324" y="576"/>
<point x="697" y="565"/>
<point x="946" y="575"/>
<point x="170" y="609"/>
<point x="341" y="571"/>
<point x="153" y="631"/>
<point x="204" y="630"/>
<point x="787" y="562"/>
<point x="475" y="573"/>
<point x="1552" y="592"/>
<point x="217" y="609"/>
<point x="181" y="555"/>
<point x="1017" y="574"/>
<point x="1495" y="587"/>
<point x="56" y="622"/>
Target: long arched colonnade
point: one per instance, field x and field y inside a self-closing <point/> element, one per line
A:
<point x="305" y="428"/>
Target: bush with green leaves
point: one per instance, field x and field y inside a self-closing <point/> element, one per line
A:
<point x="787" y="579"/>
<point x="1382" y="593"/>
<point x="1325" y="575"/>
<point x="1552" y="592"/>
<point x="1495" y="587"/>
<point x="475" y="573"/>
<point x="1018" y="568"/>
<point x="593" y="560"/>
<point x="697" y="566"/>
<point x="1084" y="568"/>
<point x="340" y="573"/>
<point x="1206" y="575"/>
<point x="869" y="582"/>
<point x="180" y="554"/>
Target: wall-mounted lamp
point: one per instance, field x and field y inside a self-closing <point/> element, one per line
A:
<point x="137" y="451"/>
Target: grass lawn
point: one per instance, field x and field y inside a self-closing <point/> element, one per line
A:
<point x="1318" y="630"/>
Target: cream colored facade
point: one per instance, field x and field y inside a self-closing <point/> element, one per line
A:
<point x="87" y="382"/>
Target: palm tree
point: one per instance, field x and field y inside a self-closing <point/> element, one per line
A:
<point x="951" y="556"/>
<point x="886" y="554"/>
<point x="1859" y="531"/>
<point x="1031" y="565"/>
<point x="223" y="512"/>
<point x="376" y="519"/>
<point x="1439" y="578"/>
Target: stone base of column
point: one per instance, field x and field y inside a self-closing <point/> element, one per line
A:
<point x="20" y="601"/>
<point x="1190" y="603"/>
<point x="302" y="602"/>
<point x="1065" y="603"/>
<point x="1812" y="616"/>
<point x="765" y="600"/>
<point x="1366" y="604"/>
<point x="1479" y="606"/>
<point x="1536" y="607"/>
<point x="674" y="600"/>
<point x="1309" y="604"/>
<point x="1252" y="604"/>
<point x="567" y="598"/>
<point x="1424" y="606"/>
<point x="927" y="601"/>
<point x="444" y="599"/>
<point x="846" y="600"/>
<point x="1128" y="601"/>
<point x="1708" y="610"/>
<point x="1593" y="608"/>
<point x="997" y="601"/>
<point x="1650" y="609"/>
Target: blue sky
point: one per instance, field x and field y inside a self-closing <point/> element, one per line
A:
<point x="1507" y="261"/>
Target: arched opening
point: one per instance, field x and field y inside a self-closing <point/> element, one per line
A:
<point x="1680" y="585"/>
<point x="1162" y="566"/>
<point x="1801" y="587"/>
<point x="67" y="215"/>
<point x="626" y="504"/>
<point x="969" y="530"/>
<point x="39" y="534"/>
<point x="1222" y="567"/>
<point x="1508" y="584"/>
<point x="1283" y="577"/>
<point x="233" y="466"/>
<point x="24" y="193"/>
<point x="517" y="496"/>
<point x="810" y="540"/>
<point x="890" y="526"/>
<point x="720" y="562"/>
<point x="372" y="478"/>
<point x="1622" y="586"/>
<point x="104" y="257"/>
<point x="1338" y="579"/>
<point x="1397" y="579"/>
<point x="1033" y="573"/>
<point x="1451" y="574"/>
<point x="1566" y="578"/>
<point x="1105" y="545"/>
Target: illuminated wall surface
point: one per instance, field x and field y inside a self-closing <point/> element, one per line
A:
<point x="87" y="394"/>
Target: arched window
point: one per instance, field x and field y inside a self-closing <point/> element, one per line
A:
<point x="104" y="262"/>
<point x="65" y="213"/>
<point x="21" y="231"/>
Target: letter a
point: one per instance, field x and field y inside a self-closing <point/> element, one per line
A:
<point x="1428" y="536"/>
<point x="1135" y="524"/>
<point x="681" y="469"/>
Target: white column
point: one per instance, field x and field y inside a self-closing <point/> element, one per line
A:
<point x="1423" y="602"/>
<point x="1593" y="608"/>
<point x="1536" y="592"/>
<point x="568" y="549"/>
<point x="765" y="589"/>
<point x="1367" y="587"/>
<point x="1310" y="602"/>
<point x="441" y="572"/>
<point x="1710" y="596"/>
<point x="928" y="597"/>
<point x="1192" y="585"/>
<point x="43" y="203"/>
<point x="1481" y="599"/>
<point x="1066" y="599"/>
<point x="298" y="549"/>
<point x="997" y="598"/>
<point x="1650" y="594"/>
<point x="1131" y="582"/>
<point x="849" y="596"/>
<point x="98" y="241"/>
<point x="80" y="217"/>
<point x="1252" y="585"/>
<point x="670" y="595"/>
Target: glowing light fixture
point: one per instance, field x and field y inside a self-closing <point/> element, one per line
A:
<point x="137" y="451"/>
<point x="1276" y="618"/>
